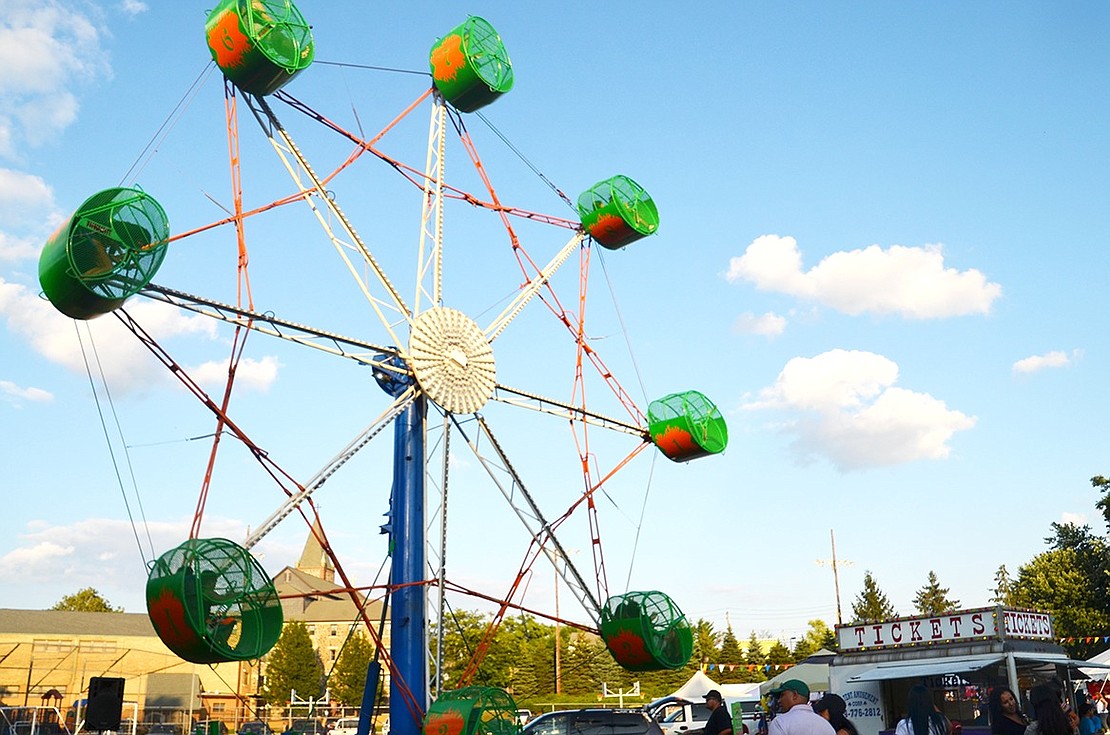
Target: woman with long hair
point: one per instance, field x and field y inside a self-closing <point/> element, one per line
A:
<point x="1049" y="717"/>
<point x="1006" y="717"/>
<point x="832" y="707"/>
<point x="922" y="717"/>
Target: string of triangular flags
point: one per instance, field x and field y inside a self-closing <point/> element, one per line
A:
<point x="749" y="667"/>
<point x="1086" y="639"/>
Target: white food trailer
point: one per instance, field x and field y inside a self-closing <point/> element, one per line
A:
<point x="960" y="656"/>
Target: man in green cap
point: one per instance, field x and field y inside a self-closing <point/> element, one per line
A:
<point x="796" y="716"/>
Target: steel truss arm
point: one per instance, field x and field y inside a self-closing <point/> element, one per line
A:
<point x="533" y="287"/>
<point x="532" y="517"/>
<point x="293" y="501"/>
<point x="285" y="147"/>
<point x="536" y="402"/>
<point x="330" y="342"/>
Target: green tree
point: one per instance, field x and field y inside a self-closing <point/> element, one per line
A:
<point x="293" y="665"/>
<point x="821" y="636"/>
<point x="348" y="679"/>
<point x="581" y="675"/>
<point x="86" y="600"/>
<point x="1102" y="484"/>
<point x="731" y="655"/>
<point x="779" y="654"/>
<point x="932" y="599"/>
<point x="818" y="636"/>
<point x="871" y="604"/>
<point x="1003" y="586"/>
<point x="705" y="642"/>
<point x="753" y="655"/>
<point x="463" y="631"/>
<point x="1069" y="581"/>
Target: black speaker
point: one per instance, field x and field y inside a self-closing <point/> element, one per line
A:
<point x="105" y="703"/>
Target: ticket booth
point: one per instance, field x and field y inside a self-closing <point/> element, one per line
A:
<point x="960" y="656"/>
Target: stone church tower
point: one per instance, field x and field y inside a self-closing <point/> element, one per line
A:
<point x="313" y="560"/>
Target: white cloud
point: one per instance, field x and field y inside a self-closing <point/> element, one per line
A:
<point x="768" y="325"/>
<point x="250" y="374"/>
<point x="16" y="393"/>
<point x="1036" y="363"/>
<point x="133" y="7"/>
<point x="14" y="248"/>
<point x="844" y="406"/>
<point x="127" y="365"/>
<point x="46" y="49"/>
<point x="25" y="199"/>
<point x="1076" y="519"/>
<point x="910" y="281"/>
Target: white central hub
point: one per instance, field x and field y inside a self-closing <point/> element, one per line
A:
<point x="452" y="360"/>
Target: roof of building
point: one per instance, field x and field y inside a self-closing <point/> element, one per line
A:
<point x="313" y="557"/>
<point x="67" y="622"/>
<point x="314" y="600"/>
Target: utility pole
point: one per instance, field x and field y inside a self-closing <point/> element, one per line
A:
<point x="558" y="672"/>
<point x="836" y="574"/>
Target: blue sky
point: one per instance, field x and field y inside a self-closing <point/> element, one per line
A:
<point x="883" y="236"/>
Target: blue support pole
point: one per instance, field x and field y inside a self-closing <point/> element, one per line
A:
<point x="407" y="614"/>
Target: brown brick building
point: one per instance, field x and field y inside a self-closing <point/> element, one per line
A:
<point x="47" y="657"/>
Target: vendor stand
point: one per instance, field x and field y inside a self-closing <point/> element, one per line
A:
<point x="960" y="656"/>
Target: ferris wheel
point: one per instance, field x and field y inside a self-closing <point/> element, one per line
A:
<point x="210" y="599"/>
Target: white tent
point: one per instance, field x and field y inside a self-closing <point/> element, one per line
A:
<point x="1102" y="659"/>
<point x="814" y="671"/>
<point x="700" y="683"/>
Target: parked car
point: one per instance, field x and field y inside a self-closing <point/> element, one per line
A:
<point x="345" y="726"/>
<point x="255" y="727"/>
<point x="593" y="722"/>
<point x="306" y="727"/>
<point x="164" y="728"/>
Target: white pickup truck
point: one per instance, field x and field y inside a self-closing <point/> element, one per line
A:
<point x="677" y="716"/>
<point x="344" y="726"/>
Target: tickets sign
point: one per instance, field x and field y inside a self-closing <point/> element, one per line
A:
<point x="949" y="628"/>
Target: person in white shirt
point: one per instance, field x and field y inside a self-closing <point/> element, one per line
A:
<point x="797" y="717"/>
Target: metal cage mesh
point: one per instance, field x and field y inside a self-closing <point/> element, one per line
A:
<point x="686" y="426"/>
<point x="645" y="631"/>
<point x="118" y="242"/>
<point x="211" y="601"/>
<point x="474" y="710"/>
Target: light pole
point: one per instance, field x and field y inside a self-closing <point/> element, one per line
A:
<point x="836" y="575"/>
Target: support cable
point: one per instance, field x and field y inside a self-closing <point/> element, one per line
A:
<point x="108" y="441"/>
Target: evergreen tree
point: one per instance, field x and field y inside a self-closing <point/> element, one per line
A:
<point x="86" y="600"/>
<point x="871" y="604"/>
<point x="932" y="599"/>
<point x="753" y="656"/>
<point x="732" y="657"/>
<point x="779" y="654"/>
<point x="705" y="642"/>
<point x="347" y="681"/>
<point x="1003" y="586"/>
<point x="293" y="666"/>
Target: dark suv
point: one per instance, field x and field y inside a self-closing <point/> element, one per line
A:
<point x="306" y="727"/>
<point x="255" y="727"/>
<point x="593" y="722"/>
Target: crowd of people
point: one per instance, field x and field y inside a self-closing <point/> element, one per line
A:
<point x="1051" y="713"/>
